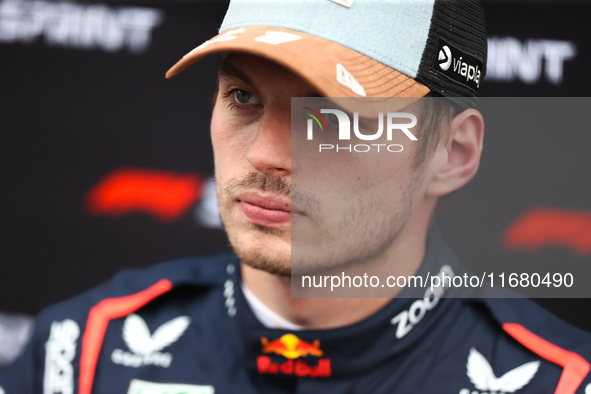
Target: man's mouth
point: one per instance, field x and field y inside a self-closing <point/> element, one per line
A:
<point x="267" y="211"/>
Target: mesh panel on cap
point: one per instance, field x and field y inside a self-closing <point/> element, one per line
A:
<point x="460" y="24"/>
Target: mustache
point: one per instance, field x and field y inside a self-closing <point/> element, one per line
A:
<point x="259" y="181"/>
<point x="301" y="201"/>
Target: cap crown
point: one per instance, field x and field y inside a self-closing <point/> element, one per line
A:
<point x="406" y="35"/>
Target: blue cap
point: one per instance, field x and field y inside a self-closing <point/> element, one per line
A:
<point x="361" y="48"/>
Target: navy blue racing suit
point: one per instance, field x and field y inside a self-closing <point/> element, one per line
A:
<point x="186" y="327"/>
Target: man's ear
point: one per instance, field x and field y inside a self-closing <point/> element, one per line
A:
<point x="457" y="157"/>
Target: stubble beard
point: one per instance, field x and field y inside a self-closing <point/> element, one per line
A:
<point x="359" y="242"/>
<point x="253" y="243"/>
<point x="355" y="240"/>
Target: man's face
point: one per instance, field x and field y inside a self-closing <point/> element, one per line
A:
<point x="316" y="212"/>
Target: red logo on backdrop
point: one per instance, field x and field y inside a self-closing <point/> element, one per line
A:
<point x="541" y="227"/>
<point x="291" y="347"/>
<point x="166" y="195"/>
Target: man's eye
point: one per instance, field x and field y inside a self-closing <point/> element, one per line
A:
<point x="238" y="99"/>
<point x="243" y="97"/>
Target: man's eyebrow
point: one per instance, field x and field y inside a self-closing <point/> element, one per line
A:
<point x="227" y="69"/>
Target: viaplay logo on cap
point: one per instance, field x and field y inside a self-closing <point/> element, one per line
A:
<point x="445" y="58"/>
<point x="292" y="348"/>
<point x="458" y="65"/>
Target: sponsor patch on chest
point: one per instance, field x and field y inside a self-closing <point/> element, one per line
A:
<point x="142" y="387"/>
<point x="145" y="347"/>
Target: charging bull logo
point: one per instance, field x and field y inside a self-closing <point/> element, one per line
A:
<point x="291" y="347"/>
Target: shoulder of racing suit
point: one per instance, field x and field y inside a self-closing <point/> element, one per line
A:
<point x="68" y="336"/>
<point x="541" y="337"/>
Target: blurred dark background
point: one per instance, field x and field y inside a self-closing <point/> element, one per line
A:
<point x="106" y="165"/>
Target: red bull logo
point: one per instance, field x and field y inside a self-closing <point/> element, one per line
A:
<point x="292" y="347"/>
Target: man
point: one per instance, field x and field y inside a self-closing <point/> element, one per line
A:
<point x="229" y="324"/>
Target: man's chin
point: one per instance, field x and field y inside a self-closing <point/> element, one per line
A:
<point x="263" y="248"/>
<point x="263" y="263"/>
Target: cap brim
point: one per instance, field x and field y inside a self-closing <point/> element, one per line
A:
<point x="334" y="70"/>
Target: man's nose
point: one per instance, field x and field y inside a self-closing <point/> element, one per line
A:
<point x="270" y="151"/>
